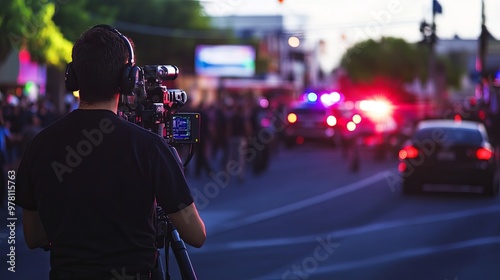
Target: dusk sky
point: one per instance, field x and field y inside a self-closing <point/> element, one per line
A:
<point x="342" y="23"/>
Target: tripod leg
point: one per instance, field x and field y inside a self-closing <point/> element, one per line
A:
<point x="159" y="273"/>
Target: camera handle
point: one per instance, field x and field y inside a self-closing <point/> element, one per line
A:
<point x="169" y="237"/>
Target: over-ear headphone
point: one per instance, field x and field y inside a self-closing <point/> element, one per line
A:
<point x="128" y="78"/>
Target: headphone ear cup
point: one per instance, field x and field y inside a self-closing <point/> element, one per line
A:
<point x="130" y="78"/>
<point x="70" y="78"/>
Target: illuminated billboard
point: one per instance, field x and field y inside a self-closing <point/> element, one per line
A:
<point x="225" y="60"/>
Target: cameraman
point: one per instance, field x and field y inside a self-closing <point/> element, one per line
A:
<point x="89" y="182"/>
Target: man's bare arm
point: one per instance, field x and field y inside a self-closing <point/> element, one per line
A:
<point x="34" y="233"/>
<point x="189" y="225"/>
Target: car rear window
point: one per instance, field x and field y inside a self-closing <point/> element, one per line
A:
<point x="453" y="136"/>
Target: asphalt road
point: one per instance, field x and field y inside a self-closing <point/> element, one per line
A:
<point x="308" y="217"/>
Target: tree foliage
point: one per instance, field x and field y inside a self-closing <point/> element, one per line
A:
<point x="389" y="57"/>
<point x="75" y="16"/>
<point x="401" y="62"/>
<point x="163" y="31"/>
<point x="28" y="24"/>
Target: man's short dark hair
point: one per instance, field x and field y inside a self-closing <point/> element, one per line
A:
<point x="99" y="57"/>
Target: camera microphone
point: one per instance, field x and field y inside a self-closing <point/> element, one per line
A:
<point x="161" y="72"/>
<point x="176" y="98"/>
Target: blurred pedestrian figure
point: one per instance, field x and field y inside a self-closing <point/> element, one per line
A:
<point x="279" y="122"/>
<point x="350" y="144"/>
<point x="238" y="131"/>
<point x="261" y="136"/>
<point x="5" y="136"/>
<point x="353" y="155"/>
<point x="45" y="113"/>
<point x="14" y="119"/>
<point x="32" y="127"/>
<point x="202" y="148"/>
<point x="219" y="136"/>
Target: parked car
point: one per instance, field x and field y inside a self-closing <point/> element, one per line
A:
<point x="448" y="152"/>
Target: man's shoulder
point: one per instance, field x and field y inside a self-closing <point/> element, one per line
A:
<point x="137" y="129"/>
<point x="107" y="121"/>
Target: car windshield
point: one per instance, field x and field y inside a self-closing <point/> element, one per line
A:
<point x="309" y="111"/>
<point x="450" y="136"/>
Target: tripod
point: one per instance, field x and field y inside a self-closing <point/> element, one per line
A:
<point x="169" y="237"/>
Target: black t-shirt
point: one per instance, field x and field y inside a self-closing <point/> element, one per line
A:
<point x="93" y="177"/>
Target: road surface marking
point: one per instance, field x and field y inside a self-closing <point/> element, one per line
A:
<point x="348" y="232"/>
<point x="302" y="204"/>
<point x="417" y="252"/>
<point x="397" y="256"/>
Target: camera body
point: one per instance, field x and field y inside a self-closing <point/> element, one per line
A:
<point x="154" y="106"/>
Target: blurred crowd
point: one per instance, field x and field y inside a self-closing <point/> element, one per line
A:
<point x="19" y="122"/>
<point x="238" y="136"/>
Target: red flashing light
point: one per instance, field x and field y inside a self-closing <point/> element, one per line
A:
<point x="484" y="154"/>
<point x="408" y="152"/>
<point x="482" y="115"/>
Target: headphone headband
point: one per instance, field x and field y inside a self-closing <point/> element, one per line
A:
<point x="131" y="57"/>
<point x="129" y="77"/>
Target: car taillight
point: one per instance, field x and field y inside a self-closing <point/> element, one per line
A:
<point x="292" y="118"/>
<point x="402" y="167"/>
<point x="408" y="152"/>
<point x="331" y="120"/>
<point x="484" y="154"/>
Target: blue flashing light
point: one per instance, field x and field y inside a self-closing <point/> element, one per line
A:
<point x="312" y="97"/>
<point x="497" y="78"/>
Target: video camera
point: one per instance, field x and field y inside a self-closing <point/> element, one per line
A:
<point x="154" y="107"/>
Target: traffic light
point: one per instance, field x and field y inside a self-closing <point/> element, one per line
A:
<point x="428" y="31"/>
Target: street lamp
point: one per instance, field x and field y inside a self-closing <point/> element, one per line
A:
<point x="293" y="41"/>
